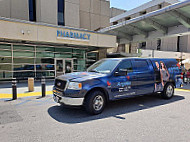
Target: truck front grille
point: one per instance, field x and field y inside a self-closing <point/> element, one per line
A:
<point x="60" y="84"/>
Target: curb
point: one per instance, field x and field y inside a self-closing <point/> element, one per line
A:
<point x="185" y="90"/>
<point x="8" y="96"/>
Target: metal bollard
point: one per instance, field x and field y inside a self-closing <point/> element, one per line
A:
<point x="14" y="88"/>
<point x="43" y="86"/>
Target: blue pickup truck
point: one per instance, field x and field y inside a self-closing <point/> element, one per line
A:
<point x="118" y="78"/>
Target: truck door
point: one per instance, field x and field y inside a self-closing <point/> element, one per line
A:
<point x="144" y="72"/>
<point x="123" y="85"/>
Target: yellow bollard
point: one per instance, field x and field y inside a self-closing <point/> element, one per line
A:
<point x="30" y="84"/>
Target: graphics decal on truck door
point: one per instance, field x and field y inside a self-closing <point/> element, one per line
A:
<point x="122" y="81"/>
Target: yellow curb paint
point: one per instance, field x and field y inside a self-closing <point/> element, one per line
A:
<point x="185" y="90"/>
<point x="7" y="96"/>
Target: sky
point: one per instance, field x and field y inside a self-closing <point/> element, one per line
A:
<point x="128" y="4"/>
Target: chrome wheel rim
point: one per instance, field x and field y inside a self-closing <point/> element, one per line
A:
<point x="169" y="91"/>
<point x="98" y="103"/>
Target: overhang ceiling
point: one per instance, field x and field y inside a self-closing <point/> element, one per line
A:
<point x="157" y="24"/>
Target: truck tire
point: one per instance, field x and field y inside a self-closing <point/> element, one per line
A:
<point x="168" y="91"/>
<point x="95" y="102"/>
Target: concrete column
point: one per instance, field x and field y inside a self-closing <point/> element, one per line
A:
<point x="72" y="13"/>
<point x="5" y="8"/>
<point x="102" y="53"/>
<point x="19" y="9"/>
<point x="47" y="11"/>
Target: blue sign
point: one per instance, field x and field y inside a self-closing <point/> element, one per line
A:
<point x="73" y="35"/>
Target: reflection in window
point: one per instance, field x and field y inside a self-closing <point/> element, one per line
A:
<point x="45" y="61"/>
<point x="7" y="67"/>
<point x="44" y="67"/>
<point x="61" y="9"/>
<point x="32" y="10"/>
<point x="125" y="65"/>
<point x="23" y="54"/>
<point x="22" y="74"/>
<point x="5" y="53"/>
<point x="5" y="46"/>
<point x="5" y="60"/>
<point x="141" y="65"/>
<point x="43" y="48"/>
<point x="4" y="74"/>
<point x="45" y="54"/>
<point x="23" y="47"/>
<point x="23" y="60"/>
<point x="23" y="67"/>
<point x="45" y="73"/>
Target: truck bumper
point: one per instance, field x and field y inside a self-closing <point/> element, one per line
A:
<point x="68" y="101"/>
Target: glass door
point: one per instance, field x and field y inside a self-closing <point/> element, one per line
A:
<point x="68" y="65"/>
<point x="59" y="67"/>
<point x="63" y="66"/>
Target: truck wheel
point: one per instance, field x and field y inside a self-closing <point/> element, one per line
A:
<point x="168" y="91"/>
<point x="95" y="102"/>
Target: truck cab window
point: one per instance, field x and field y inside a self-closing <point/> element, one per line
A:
<point x="141" y="65"/>
<point x="125" y="65"/>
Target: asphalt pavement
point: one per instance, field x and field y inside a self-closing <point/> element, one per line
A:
<point x="141" y="119"/>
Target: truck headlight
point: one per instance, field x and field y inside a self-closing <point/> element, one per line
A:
<point x="75" y="86"/>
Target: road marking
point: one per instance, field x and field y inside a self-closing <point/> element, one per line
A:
<point x="7" y="96"/>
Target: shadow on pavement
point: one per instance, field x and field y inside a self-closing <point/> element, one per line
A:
<point x="113" y="109"/>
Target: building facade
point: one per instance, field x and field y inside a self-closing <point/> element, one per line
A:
<point x="87" y="14"/>
<point x="48" y="38"/>
<point x="173" y="44"/>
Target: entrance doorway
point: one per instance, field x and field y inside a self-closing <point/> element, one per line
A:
<point x="63" y="66"/>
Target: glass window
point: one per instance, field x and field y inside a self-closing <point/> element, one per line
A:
<point x="23" y="60"/>
<point x="63" y="50"/>
<point x="61" y="9"/>
<point x="23" y="54"/>
<point x="45" y="54"/>
<point x="5" y="53"/>
<point x="5" y="46"/>
<point x="7" y="67"/>
<point x="141" y="65"/>
<point x="23" y="67"/>
<point x="23" y="74"/>
<point x="125" y="65"/>
<point x="58" y="55"/>
<point x="44" y="61"/>
<point x="43" y="48"/>
<point x="23" y="47"/>
<point x="32" y="10"/>
<point x="45" y="73"/>
<point x="5" y="60"/>
<point x="103" y="66"/>
<point x="79" y="65"/>
<point x="5" y="75"/>
<point x="44" y="67"/>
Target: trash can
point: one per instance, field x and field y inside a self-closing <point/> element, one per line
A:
<point x="30" y="84"/>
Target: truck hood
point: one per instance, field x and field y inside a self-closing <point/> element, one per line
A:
<point x="80" y="76"/>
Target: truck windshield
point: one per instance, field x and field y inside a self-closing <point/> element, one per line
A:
<point x="103" y="66"/>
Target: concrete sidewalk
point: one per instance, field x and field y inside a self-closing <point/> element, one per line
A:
<point x="22" y="89"/>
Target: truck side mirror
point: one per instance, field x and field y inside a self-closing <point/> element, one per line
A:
<point x="121" y="72"/>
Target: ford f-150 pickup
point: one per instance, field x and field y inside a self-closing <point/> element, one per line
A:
<point x="119" y="78"/>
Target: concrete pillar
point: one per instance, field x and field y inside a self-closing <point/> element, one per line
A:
<point x="102" y="53"/>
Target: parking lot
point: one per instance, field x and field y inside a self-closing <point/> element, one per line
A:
<point x="146" y="118"/>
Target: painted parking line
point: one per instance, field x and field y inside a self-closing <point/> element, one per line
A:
<point x="7" y="96"/>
